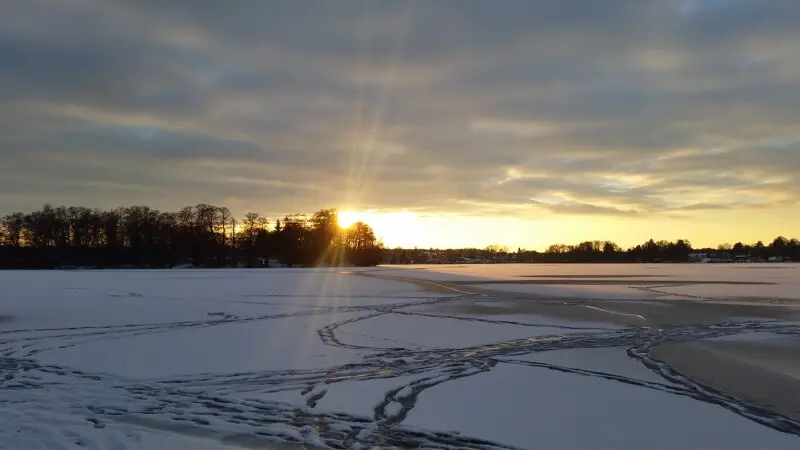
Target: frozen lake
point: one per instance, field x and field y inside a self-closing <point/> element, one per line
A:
<point x="447" y="356"/>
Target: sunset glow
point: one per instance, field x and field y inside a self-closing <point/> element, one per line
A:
<point x="446" y="230"/>
<point x="523" y="125"/>
<point x="394" y="228"/>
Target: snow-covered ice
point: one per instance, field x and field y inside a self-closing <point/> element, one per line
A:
<point x="501" y="312"/>
<point x="568" y="411"/>
<point x="610" y="360"/>
<point x="392" y="330"/>
<point x="771" y="281"/>
<point x="235" y="347"/>
<point x="282" y="358"/>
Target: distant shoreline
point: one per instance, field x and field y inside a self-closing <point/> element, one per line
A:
<point x="761" y="265"/>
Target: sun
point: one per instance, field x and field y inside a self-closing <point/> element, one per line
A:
<point x="347" y="218"/>
<point x="396" y="227"/>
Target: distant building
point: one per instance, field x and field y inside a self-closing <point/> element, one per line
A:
<point x="698" y="257"/>
<point x="720" y="257"/>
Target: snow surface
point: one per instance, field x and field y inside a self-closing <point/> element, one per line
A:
<point x="783" y="340"/>
<point x="576" y="412"/>
<point x="393" y="330"/>
<point x="612" y="360"/>
<point x="497" y="307"/>
<point x="282" y="358"/>
<point x="361" y="397"/>
<point x="233" y="347"/>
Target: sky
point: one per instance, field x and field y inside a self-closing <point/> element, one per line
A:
<point x="443" y="123"/>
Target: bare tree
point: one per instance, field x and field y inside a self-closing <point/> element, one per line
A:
<point x="13" y="226"/>
<point x="497" y="248"/>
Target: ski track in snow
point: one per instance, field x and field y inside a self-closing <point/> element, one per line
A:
<point x="55" y="403"/>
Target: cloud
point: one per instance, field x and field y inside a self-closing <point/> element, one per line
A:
<point x="622" y="108"/>
<point x="585" y="209"/>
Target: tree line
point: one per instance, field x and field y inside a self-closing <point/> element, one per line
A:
<point x="605" y="251"/>
<point x="202" y="235"/>
<point x="211" y="236"/>
<point x="681" y="250"/>
<point x="780" y="249"/>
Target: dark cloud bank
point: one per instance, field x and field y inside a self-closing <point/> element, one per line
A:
<point x="623" y="108"/>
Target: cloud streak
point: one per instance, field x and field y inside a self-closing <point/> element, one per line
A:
<point x="529" y="108"/>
